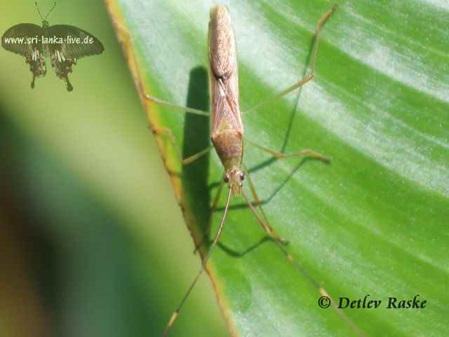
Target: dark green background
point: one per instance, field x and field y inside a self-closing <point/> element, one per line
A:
<point x="92" y="240"/>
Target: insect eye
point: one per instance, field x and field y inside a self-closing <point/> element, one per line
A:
<point x="242" y="176"/>
<point x="226" y="178"/>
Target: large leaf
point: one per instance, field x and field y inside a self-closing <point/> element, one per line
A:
<point x="370" y="225"/>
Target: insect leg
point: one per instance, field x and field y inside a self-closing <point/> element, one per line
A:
<point x="129" y="49"/>
<point x="265" y="225"/>
<point x="129" y="52"/>
<point x="307" y="153"/>
<point x="161" y="131"/>
<point x="314" y="54"/>
<point x="292" y="260"/>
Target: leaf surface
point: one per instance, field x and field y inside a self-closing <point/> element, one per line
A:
<point x="369" y="226"/>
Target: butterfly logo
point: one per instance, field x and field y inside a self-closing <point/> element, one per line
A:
<point x="63" y="44"/>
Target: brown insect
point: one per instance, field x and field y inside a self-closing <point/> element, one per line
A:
<point x="227" y="129"/>
<point x="227" y="126"/>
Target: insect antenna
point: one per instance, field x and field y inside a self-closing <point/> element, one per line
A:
<point x="202" y="268"/>
<point x="46" y="16"/>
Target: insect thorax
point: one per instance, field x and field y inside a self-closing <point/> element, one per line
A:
<point x="229" y="147"/>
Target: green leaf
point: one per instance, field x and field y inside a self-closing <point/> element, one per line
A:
<point x="370" y="225"/>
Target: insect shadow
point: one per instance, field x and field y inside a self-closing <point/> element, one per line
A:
<point x="195" y="175"/>
<point x="226" y="135"/>
<point x="196" y="138"/>
<point x="266" y="238"/>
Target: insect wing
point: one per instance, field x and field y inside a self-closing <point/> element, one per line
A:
<point x="25" y="39"/>
<point x="223" y="72"/>
<point x="22" y="39"/>
<point x="66" y="45"/>
<point x="225" y="110"/>
<point x="76" y="43"/>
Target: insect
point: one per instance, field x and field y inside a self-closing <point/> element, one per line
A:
<point x="227" y="130"/>
<point x="64" y="45"/>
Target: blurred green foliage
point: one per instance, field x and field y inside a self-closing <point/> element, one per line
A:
<point x="92" y="240"/>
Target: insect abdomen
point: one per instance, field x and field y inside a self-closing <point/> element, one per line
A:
<point x="222" y="49"/>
